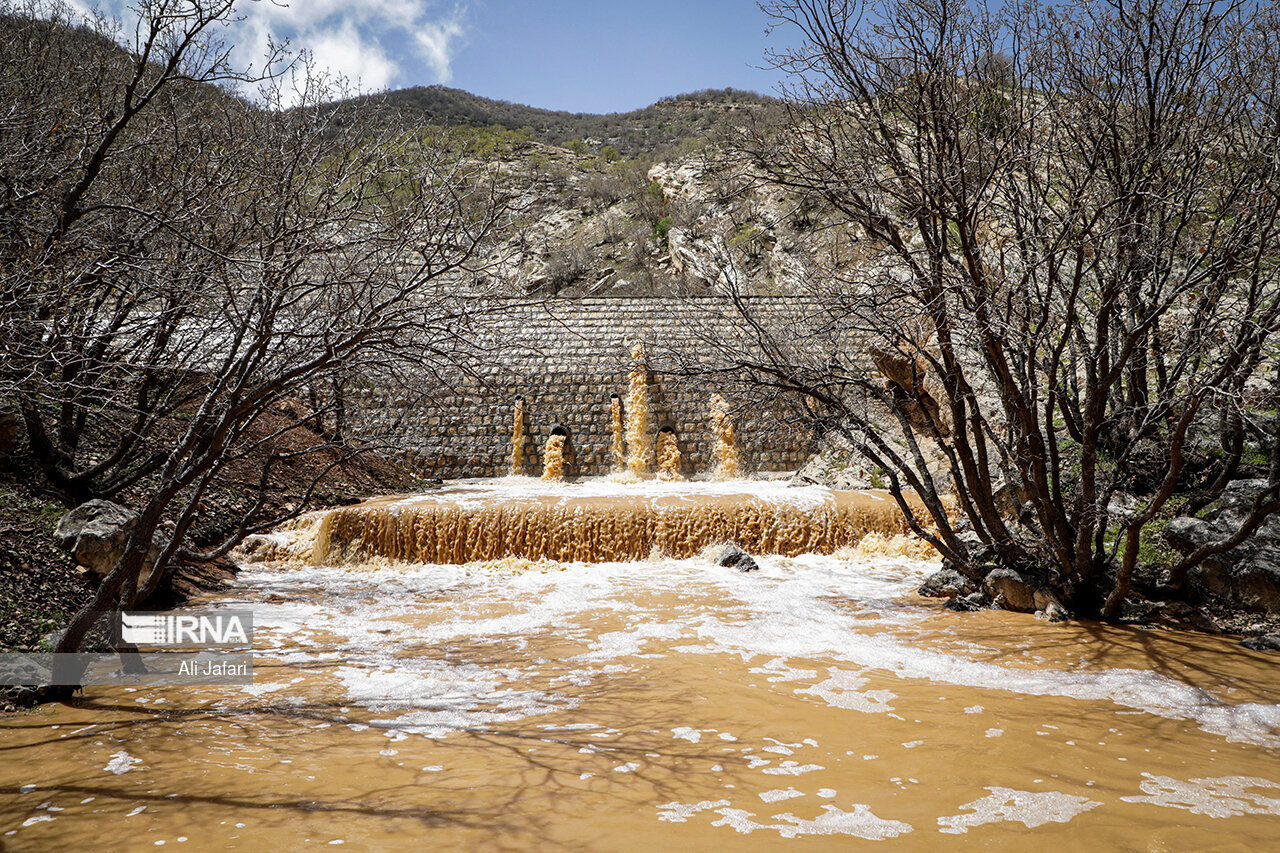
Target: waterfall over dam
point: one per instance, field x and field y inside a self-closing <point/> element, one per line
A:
<point x="598" y="521"/>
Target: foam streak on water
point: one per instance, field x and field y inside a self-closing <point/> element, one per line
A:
<point x="787" y="611"/>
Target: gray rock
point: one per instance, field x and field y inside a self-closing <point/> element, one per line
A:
<point x="1187" y="534"/>
<point x="734" y="557"/>
<point x="1054" y="612"/>
<point x="1247" y="576"/>
<point x="1007" y="588"/>
<point x="1263" y="643"/>
<point x="1122" y="505"/>
<point x="1048" y="606"/>
<point x="1235" y="499"/>
<point x="968" y="603"/>
<point x="95" y="533"/>
<point x="947" y="583"/>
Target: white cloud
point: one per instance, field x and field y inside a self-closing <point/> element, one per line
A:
<point x="344" y="52"/>
<point x="436" y="43"/>
<point x="369" y="43"/>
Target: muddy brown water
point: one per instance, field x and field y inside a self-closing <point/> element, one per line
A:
<point x="666" y="704"/>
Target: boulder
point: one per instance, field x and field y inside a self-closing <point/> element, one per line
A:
<point x="734" y="557"/>
<point x="947" y="583"/>
<point x="95" y="533"/>
<point x="1054" y="612"/>
<point x="905" y="377"/>
<point x="968" y="603"/>
<point x="1247" y="576"/>
<point x="1007" y="588"/>
<point x="1043" y="599"/>
<point x="1263" y="643"/>
<point x="1187" y="534"/>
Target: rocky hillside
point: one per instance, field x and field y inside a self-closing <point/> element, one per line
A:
<point x="658" y="129"/>
<point x="649" y="202"/>
<point x="688" y="223"/>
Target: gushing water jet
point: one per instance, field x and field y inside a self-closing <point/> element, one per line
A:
<point x="639" y="440"/>
<point x="554" y="454"/>
<point x="517" y="436"/>
<point x="617" y="444"/>
<point x="725" y="449"/>
<point x="668" y="453"/>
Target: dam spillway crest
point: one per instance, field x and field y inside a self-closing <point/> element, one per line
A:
<point x="597" y="521"/>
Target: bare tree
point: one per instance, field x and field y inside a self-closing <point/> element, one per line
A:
<point x="1058" y="270"/>
<point x="176" y="255"/>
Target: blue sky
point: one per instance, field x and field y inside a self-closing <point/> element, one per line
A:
<point x="610" y="56"/>
<point x="559" y="54"/>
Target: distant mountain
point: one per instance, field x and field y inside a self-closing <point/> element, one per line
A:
<point x="656" y="129"/>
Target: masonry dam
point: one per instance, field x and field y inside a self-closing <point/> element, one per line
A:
<point x="568" y="365"/>
<point x="629" y="389"/>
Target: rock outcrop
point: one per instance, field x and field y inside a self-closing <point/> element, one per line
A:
<point x="1247" y="576"/>
<point x="1000" y="588"/>
<point x="96" y="532"/>
<point x="947" y="583"/>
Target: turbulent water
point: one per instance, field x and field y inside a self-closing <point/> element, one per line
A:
<point x="659" y="705"/>
<point x="597" y="521"/>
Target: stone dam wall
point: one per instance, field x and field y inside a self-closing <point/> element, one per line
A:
<point x="566" y="358"/>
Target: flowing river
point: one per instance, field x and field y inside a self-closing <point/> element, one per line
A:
<point x="659" y="704"/>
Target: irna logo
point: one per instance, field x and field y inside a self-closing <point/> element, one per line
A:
<point x="231" y="628"/>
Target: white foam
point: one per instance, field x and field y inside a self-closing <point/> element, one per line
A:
<point x="786" y="611"/>
<point x="791" y="768"/>
<point x="121" y="762"/>
<point x="844" y="690"/>
<point x="686" y="733"/>
<point x="778" y="794"/>
<point x="619" y="644"/>
<point x="681" y="812"/>
<point x="860" y="822"/>
<point x="1026" y="807"/>
<point x="1225" y="796"/>
<point x="473" y="493"/>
